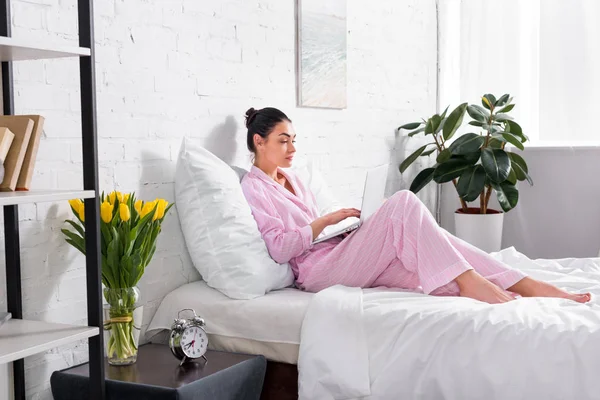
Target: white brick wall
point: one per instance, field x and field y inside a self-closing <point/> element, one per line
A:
<point x="169" y="68"/>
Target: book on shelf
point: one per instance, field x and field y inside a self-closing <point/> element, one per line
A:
<point x="6" y="139"/>
<point x="21" y="127"/>
<point x="24" y="181"/>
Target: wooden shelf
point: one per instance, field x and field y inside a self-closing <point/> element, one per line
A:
<point x="40" y="196"/>
<point x="12" y="49"/>
<point x="21" y="338"/>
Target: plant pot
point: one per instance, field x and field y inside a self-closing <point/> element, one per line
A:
<point x="122" y="322"/>
<point x="481" y="230"/>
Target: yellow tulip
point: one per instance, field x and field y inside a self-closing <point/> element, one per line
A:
<point x="149" y="206"/>
<point x="106" y="210"/>
<point x="125" y="197"/>
<point x="82" y="213"/>
<point x="111" y="197"/>
<point x="75" y="203"/>
<point x="138" y="206"/>
<point x="124" y="212"/>
<point x="119" y="196"/>
<point x="160" y="209"/>
<point x="77" y="206"/>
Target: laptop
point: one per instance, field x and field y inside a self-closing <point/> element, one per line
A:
<point x="373" y="197"/>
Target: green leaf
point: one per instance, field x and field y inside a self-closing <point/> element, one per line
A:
<point x="75" y="238"/>
<point x="410" y="126"/>
<point x="76" y="245"/>
<point x="467" y="143"/>
<point x="441" y="125"/>
<point x="436" y="120"/>
<point x="507" y="108"/>
<point x="444" y="113"/>
<point x="429" y="129"/>
<point x="77" y="227"/>
<point x="428" y="152"/>
<point x="499" y="137"/>
<point x="471" y="183"/>
<point x="410" y="159"/>
<point x="470" y="158"/>
<point x="515" y="129"/>
<point x="488" y="101"/>
<point x="413" y="133"/>
<point x="501" y="101"/>
<point x="512" y="176"/>
<point x="449" y="170"/>
<point x="520" y="167"/>
<point x="502" y="117"/>
<point x="510" y="138"/>
<point x="478" y="113"/>
<point x="421" y="180"/>
<point x="495" y="143"/>
<point x="112" y="260"/>
<point x="507" y="194"/>
<point x="454" y="121"/>
<point x="496" y="164"/>
<point x="495" y="128"/>
<point x="476" y="123"/>
<point x="443" y="156"/>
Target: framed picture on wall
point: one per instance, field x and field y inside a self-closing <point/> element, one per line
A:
<point x="321" y="53"/>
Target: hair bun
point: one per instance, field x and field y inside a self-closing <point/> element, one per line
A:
<point x="250" y="114"/>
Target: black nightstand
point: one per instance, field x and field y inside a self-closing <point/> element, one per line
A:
<point x="157" y="375"/>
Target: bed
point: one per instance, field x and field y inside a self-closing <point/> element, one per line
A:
<point x="269" y="325"/>
<point x="242" y="325"/>
<point x="381" y="343"/>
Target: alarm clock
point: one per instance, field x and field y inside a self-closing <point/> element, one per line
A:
<point x="188" y="339"/>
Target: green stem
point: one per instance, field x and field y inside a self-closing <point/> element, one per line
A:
<point x="121" y="342"/>
<point x="439" y="146"/>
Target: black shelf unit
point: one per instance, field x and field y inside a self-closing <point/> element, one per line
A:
<point x="90" y="182"/>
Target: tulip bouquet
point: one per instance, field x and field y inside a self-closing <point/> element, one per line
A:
<point x="129" y="229"/>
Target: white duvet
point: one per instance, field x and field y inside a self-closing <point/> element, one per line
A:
<point x="373" y="344"/>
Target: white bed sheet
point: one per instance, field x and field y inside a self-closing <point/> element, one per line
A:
<point x="366" y="344"/>
<point x="268" y="325"/>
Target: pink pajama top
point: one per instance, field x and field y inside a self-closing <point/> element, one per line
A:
<point x="284" y="220"/>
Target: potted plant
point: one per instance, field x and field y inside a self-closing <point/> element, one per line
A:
<point x="128" y="233"/>
<point x="476" y="163"/>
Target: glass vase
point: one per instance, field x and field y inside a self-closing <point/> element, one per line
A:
<point x="122" y="322"/>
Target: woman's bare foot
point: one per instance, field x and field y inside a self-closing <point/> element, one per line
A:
<point x="475" y="286"/>
<point x="528" y="287"/>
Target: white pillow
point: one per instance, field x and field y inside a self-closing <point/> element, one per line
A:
<point x="220" y="232"/>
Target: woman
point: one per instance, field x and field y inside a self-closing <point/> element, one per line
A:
<point x="400" y="246"/>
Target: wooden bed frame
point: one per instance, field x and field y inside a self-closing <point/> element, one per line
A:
<point x="281" y="382"/>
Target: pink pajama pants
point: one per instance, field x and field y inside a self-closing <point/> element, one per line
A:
<point x="402" y="246"/>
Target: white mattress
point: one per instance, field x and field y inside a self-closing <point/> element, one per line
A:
<point x="269" y="325"/>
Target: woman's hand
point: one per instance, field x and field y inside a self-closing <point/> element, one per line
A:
<point x="340" y="215"/>
<point x="331" y="219"/>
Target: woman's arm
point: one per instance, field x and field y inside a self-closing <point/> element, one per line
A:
<point x="282" y="242"/>
<point x="318" y="225"/>
<point x="331" y="219"/>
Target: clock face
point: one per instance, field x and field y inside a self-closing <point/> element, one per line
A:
<point x="194" y="342"/>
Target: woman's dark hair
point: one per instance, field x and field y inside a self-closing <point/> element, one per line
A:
<point x="262" y="122"/>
